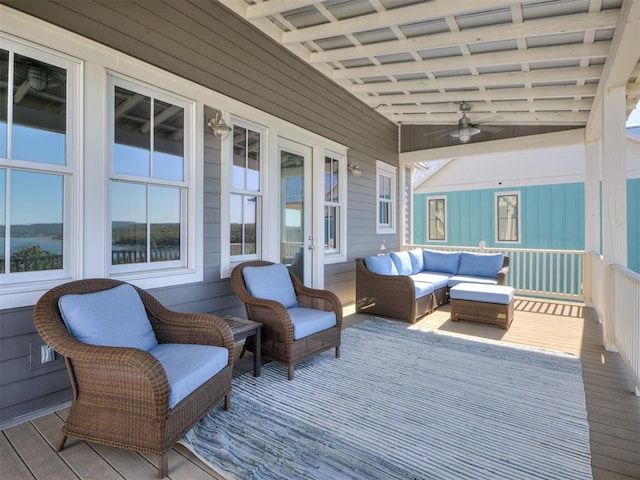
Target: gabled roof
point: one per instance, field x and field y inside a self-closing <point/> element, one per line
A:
<point x="514" y="62"/>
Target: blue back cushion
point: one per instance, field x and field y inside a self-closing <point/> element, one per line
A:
<point x="402" y="261"/>
<point x="113" y="318"/>
<point x="444" y="262"/>
<point x="271" y="282"/>
<point x="381" y="264"/>
<point x="417" y="260"/>
<point x="480" y="264"/>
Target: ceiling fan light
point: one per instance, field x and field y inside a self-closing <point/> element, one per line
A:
<point x="464" y="135"/>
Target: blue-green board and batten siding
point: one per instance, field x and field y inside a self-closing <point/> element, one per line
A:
<point x="552" y="217"/>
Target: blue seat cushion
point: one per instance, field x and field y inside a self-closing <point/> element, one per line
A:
<point x="417" y="260"/>
<point x="188" y="366"/>
<point x="112" y="318"/>
<point x="477" y="292"/>
<point x="480" y="264"/>
<point x="402" y="261"/>
<point x="439" y="280"/>
<point x="423" y="288"/>
<point x="381" y="264"/>
<point x="457" y="279"/>
<point x="270" y="282"/>
<point x="442" y="262"/>
<point x="307" y="321"/>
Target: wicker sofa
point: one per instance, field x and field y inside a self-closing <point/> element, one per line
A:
<point x="409" y="284"/>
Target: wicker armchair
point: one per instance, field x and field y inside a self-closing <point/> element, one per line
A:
<point x="278" y="332"/>
<point x="121" y="395"/>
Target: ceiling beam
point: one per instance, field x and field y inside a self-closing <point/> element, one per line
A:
<point x="531" y="28"/>
<point x="544" y="140"/>
<point x="489" y="108"/>
<point x="621" y="63"/>
<point x="515" y="57"/>
<point x="507" y="118"/>
<point x="565" y="91"/>
<point x="546" y="75"/>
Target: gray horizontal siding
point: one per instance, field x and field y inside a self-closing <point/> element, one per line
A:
<point x="207" y="44"/>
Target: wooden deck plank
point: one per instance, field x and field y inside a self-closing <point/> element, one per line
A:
<point x="612" y="408"/>
<point x="11" y="465"/>
<point x="43" y="462"/>
<point x="80" y="457"/>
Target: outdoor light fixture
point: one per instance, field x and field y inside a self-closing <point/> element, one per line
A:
<point x="218" y="126"/>
<point x="465" y="129"/>
<point x="355" y="169"/>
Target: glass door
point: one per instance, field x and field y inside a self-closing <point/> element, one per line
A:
<point x="296" y="238"/>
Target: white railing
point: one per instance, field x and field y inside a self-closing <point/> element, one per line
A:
<point x="542" y="273"/>
<point x="594" y="294"/>
<point x="626" y="291"/>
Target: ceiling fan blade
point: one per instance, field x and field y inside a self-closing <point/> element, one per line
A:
<point x="490" y="119"/>
<point x="491" y="128"/>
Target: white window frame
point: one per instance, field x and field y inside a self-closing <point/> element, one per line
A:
<point x="339" y="253"/>
<point x="497" y="218"/>
<point x="25" y="288"/>
<point x="446" y="218"/>
<point x="188" y="262"/>
<point x="385" y="170"/>
<point x="227" y="260"/>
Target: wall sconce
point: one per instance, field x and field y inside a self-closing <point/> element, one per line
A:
<point x="355" y="169"/>
<point x="218" y="126"/>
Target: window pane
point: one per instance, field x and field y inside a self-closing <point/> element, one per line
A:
<point x="239" y="158"/>
<point x="164" y="218"/>
<point x="245" y="174"/>
<point x="508" y="218"/>
<point x="4" y="94"/>
<point x="437" y="219"/>
<point x="385" y="214"/>
<point x="128" y="223"/>
<point x="3" y="219"/>
<point x="253" y="161"/>
<point x="132" y="148"/>
<point x="243" y="224"/>
<point x="39" y="112"/>
<point x="36" y="212"/>
<point x="384" y="187"/>
<point x="168" y="153"/>
<point x="331" y="183"/>
<point x="331" y="227"/>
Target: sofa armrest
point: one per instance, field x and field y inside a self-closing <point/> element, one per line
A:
<point x="502" y="273"/>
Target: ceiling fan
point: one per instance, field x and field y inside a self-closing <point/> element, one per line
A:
<point x="465" y="129"/>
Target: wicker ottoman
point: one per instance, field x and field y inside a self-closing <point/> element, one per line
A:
<point x="482" y="303"/>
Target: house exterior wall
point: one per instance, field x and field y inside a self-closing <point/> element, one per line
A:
<point x="552" y="217"/>
<point x="225" y="63"/>
<point x="550" y="182"/>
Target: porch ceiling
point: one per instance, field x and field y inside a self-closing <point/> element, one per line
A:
<point x="513" y="62"/>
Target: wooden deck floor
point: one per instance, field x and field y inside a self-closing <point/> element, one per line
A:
<point x="26" y="450"/>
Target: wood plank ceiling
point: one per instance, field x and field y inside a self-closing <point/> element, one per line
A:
<point x="512" y="62"/>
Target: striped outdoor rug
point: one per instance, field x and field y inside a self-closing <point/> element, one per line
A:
<point x="405" y="404"/>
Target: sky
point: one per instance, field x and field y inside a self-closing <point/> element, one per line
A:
<point x="634" y="118"/>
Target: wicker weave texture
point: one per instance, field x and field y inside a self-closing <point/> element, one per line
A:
<point x="484" y="312"/>
<point x="394" y="295"/>
<point x="121" y="395"/>
<point x="277" y="330"/>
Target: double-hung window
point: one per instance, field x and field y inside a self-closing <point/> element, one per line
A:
<point x="150" y="185"/>
<point x="508" y="217"/>
<point x="437" y="218"/>
<point x="386" y="180"/>
<point x="38" y="143"/>
<point x="245" y="196"/>
<point x="333" y="205"/>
